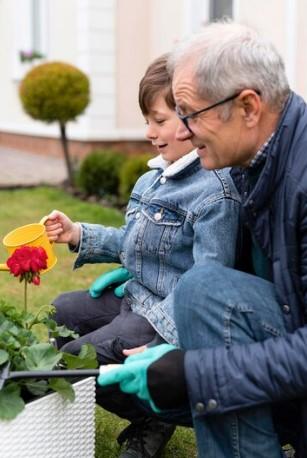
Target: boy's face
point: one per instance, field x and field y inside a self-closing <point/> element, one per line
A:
<point x="162" y="123"/>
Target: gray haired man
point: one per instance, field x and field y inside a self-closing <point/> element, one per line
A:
<point x="243" y="336"/>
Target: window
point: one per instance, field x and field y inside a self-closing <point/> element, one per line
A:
<point x="219" y="9"/>
<point x="30" y="34"/>
<point x="36" y="32"/>
<point x="197" y="13"/>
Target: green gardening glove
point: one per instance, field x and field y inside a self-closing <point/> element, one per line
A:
<point x="132" y="375"/>
<point x="112" y="277"/>
<point x="119" y="291"/>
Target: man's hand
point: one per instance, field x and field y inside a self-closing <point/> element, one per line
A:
<point x="61" y="229"/>
<point x="132" y="375"/>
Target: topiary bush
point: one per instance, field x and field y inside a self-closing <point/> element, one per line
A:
<point x="56" y="91"/>
<point x="132" y="169"/>
<point x="99" y="173"/>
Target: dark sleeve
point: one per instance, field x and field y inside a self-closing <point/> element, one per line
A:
<point x="166" y="381"/>
<point x="248" y="375"/>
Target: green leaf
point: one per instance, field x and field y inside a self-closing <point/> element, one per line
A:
<point x="51" y="324"/>
<point x="42" y="356"/>
<point x="63" y="331"/>
<point x="88" y="352"/>
<point x="63" y="387"/>
<point x="41" y="332"/>
<point x="12" y="342"/>
<point x="11" y="403"/>
<point x="4" y="356"/>
<point x="46" y="311"/>
<point x="36" y="387"/>
<point x="87" y="358"/>
<point x="17" y="362"/>
<point x="42" y="316"/>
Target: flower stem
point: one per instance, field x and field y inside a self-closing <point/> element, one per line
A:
<point x="48" y="307"/>
<point x="25" y="297"/>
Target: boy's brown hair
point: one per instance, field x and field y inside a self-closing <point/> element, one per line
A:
<point x="155" y="82"/>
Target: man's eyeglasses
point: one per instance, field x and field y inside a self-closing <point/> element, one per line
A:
<point x="185" y="118"/>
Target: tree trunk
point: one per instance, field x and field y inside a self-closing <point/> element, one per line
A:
<point x="64" y="142"/>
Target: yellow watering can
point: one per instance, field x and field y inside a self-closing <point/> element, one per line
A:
<point x="31" y="235"/>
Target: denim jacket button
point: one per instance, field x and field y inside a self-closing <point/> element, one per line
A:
<point x="162" y="180"/>
<point x="137" y="215"/>
<point x="199" y="407"/>
<point x="212" y="404"/>
<point x="157" y="216"/>
<point x="286" y="308"/>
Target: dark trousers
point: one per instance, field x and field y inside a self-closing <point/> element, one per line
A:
<point x="107" y="322"/>
<point x="110" y="325"/>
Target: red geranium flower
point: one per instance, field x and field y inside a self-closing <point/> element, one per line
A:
<point x="27" y="262"/>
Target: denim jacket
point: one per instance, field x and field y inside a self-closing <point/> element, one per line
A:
<point x="177" y="216"/>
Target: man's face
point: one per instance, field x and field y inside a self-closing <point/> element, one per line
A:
<point x="219" y="143"/>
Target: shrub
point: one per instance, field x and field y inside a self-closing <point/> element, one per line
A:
<point x="99" y="173"/>
<point x="55" y="91"/>
<point x="133" y="168"/>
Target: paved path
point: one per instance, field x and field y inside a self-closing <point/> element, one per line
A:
<point x="19" y="168"/>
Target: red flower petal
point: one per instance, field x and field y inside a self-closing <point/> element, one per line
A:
<point x="28" y="260"/>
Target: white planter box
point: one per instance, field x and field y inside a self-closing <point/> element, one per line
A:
<point x="50" y="427"/>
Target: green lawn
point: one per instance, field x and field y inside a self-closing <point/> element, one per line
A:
<point x="26" y="206"/>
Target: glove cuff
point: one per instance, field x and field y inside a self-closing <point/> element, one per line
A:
<point x="166" y="381"/>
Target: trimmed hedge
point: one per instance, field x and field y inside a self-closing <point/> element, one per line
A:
<point x="131" y="170"/>
<point x="99" y="173"/>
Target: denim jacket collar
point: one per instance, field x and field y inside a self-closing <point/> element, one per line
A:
<point x="172" y="169"/>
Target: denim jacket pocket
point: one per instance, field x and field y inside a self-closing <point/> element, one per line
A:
<point x="130" y="212"/>
<point x="161" y="215"/>
<point x="162" y="225"/>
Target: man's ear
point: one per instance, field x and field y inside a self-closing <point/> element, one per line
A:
<point x="250" y="103"/>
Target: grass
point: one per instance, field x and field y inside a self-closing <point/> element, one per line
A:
<point x="30" y="205"/>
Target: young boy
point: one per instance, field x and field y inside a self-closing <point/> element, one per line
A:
<point x="178" y="215"/>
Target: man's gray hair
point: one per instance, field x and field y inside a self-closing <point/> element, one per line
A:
<point x="227" y="58"/>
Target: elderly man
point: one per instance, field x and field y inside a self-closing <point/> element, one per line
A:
<point x="243" y="363"/>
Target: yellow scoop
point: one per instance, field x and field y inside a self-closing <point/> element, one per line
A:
<point x="31" y="235"/>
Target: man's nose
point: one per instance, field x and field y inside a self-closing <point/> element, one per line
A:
<point x="183" y="133"/>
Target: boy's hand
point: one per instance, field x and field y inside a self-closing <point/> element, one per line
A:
<point x="61" y="229"/>
<point x="134" y="351"/>
<point x="112" y="277"/>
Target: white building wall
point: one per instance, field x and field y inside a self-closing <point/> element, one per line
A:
<point x="166" y="25"/>
<point x="301" y="54"/>
<point x="96" y="50"/>
<point x="10" y="109"/>
<point x="278" y="21"/>
<point x="81" y="32"/>
<point x="60" y="34"/>
<point x="133" y="50"/>
<point x="145" y="30"/>
<point x="113" y="41"/>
